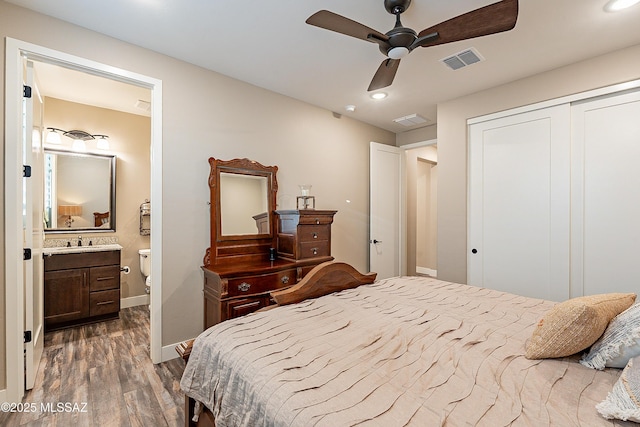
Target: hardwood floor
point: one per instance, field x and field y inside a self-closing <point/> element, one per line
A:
<point x="107" y="366"/>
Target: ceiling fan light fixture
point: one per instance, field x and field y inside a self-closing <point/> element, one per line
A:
<point x="399" y="52"/>
<point x="616" y="5"/>
<point x="379" y="95"/>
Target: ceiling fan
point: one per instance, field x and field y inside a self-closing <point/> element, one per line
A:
<point x="400" y="41"/>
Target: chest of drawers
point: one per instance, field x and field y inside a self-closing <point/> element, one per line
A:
<point x="304" y="234"/>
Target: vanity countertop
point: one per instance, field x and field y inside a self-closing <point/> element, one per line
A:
<point x="80" y="249"/>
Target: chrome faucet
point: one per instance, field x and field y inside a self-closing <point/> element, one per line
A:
<point x="79" y="240"/>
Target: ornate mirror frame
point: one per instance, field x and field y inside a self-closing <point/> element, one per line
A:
<point x="243" y="247"/>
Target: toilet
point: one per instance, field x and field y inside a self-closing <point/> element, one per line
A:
<point x="145" y="268"/>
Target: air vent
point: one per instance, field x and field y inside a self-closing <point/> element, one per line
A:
<point x="462" y="59"/>
<point x="143" y="105"/>
<point x="411" y="120"/>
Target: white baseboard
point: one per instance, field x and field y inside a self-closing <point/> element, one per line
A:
<point x="134" y="301"/>
<point x="429" y="271"/>
<point x="3" y="395"/>
<point x="169" y="352"/>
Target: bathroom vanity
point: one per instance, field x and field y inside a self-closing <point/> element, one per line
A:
<point x="81" y="285"/>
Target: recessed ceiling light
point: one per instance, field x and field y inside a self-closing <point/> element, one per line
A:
<point x="382" y="95"/>
<point x="616" y="5"/>
<point x="350" y="108"/>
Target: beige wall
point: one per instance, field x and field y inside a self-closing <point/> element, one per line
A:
<point x="616" y="67"/>
<point x="426" y="133"/>
<point x="206" y="114"/>
<point x="129" y="139"/>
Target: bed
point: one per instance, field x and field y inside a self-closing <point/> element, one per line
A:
<point x="407" y="351"/>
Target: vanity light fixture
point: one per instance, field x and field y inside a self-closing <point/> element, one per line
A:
<point x="79" y="137"/>
<point x="379" y="95"/>
<point x="103" y="142"/>
<point x="53" y="137"/>
<point x="616" y="5"/>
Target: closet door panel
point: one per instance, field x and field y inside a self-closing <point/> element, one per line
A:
<point x="519" y="204"/>
<point x="606" y="195"/>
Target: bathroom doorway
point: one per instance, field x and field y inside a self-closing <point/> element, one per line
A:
<point x="17" y="52"/>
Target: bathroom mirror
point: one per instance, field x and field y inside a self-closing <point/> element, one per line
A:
<point x="79" y="192"/>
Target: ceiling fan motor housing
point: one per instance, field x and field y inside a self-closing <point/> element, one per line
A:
<point x="399" y="37"/>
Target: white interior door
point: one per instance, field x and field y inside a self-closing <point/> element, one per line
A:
<point x="605" y="204"/>
<point x="33" y="229"/>
<point x="385" y="225"/>
<point x="518" y="235"/>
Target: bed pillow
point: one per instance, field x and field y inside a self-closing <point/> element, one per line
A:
<point x="573" y="325"/>
<point x="623" y="403"/>
<point x="619" y="343"/>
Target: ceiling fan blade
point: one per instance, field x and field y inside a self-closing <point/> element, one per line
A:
<point x="340" y="24"/>
<point x="491" y="19"/>
<point x="385" y="74"/>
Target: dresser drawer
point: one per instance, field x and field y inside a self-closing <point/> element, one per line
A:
<point x="244" y="306"/>
<point x="102" y="278"/>
<point x="104" y="302"/>
<point x="251" y="285"/>
<point x="314" y="249"/>
<point x="315" y="219"/>
<point x="312" y="233"/>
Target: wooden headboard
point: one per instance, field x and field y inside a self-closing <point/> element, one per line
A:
<point x="100" y="219"/>
<point x="324" y="279"/>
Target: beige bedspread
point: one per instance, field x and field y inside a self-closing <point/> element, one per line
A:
<point x="404" y="351"/>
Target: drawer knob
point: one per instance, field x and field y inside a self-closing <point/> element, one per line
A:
<point x="315" y="235"/>
<point x="315" y="251"/>
<point x="244" y="286"/>
<point x="285" y="280"/>
<point x="317" y="221"/>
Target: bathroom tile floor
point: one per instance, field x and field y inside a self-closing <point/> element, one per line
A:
<point x="103" y="375"/>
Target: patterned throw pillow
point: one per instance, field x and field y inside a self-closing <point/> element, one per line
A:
<point x="619" y="343"/>
<point x="575" y="324"/>
<point x="623" y="403"/>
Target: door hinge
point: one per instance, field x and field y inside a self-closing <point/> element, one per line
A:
<point x="26" y="171"/>
<point x="26" y="91"/>
<point x="26" y="254"/>
<point x="27" y="336"/>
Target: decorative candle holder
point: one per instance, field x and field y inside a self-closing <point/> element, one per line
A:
<point x="305" y="201"/>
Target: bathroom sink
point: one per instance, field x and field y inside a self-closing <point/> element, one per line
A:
<point x="79" y="249"/>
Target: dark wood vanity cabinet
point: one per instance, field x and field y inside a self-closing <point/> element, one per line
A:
<point x="239" y="273"/>
<point x="81" y="288"/>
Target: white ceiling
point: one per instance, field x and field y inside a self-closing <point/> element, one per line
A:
<point x="268" y="44"/>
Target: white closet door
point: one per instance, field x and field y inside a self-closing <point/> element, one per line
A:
<point x="605" y="220"/>
<point x="519" y="182"/>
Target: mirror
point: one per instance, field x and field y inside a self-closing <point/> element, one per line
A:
<point x="244" y="204"/>
<point x="242" y="211"/>
<point x="79" y="192"/>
